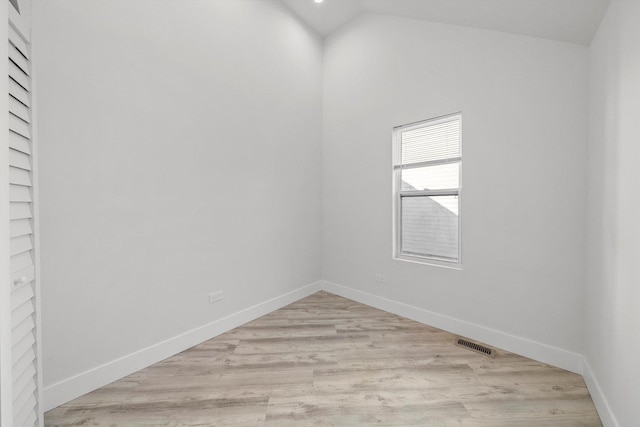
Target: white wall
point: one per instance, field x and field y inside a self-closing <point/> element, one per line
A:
<point x="180" y="155"/>
<point x="612" y="328"/>
<point x="524" y="129"/>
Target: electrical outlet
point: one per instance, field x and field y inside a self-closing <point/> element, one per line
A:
<point x="380" y="278"/>
<point x="215" y="297"/>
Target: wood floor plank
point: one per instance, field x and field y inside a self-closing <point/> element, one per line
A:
<point x="329" y="361"/>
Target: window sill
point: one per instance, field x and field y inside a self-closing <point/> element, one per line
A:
<point x="429" y="261"/>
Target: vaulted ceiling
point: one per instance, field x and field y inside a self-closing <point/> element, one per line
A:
<point x="574" y="21"/>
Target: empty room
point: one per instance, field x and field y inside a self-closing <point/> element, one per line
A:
<point x="320" y="213"/>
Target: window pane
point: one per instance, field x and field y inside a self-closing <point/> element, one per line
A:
<point x="430" y="226"/>
<point x="431" y="142"/>
<point x="439" y="177"/>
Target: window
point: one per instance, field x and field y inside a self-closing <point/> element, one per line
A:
<point x="427" y="166"/>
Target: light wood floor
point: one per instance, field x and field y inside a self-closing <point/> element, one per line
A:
<point x="329" y="361"/>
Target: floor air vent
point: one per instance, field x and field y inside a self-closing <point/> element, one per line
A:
<point x="478" y="348"/>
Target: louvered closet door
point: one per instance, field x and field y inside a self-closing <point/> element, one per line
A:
<point x="23" y="295"/>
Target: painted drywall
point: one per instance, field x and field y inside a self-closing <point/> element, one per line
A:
<point x="180" y="155"/>
<point x="524" y="110"/>
<point x="612" y="328"/>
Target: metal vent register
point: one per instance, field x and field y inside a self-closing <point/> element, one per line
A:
<point x="478" y="348"/>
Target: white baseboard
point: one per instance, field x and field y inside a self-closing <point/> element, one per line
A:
<point x="554" y="356"/>
<point x="599" y="399"/>
<point x="85" y="382"/>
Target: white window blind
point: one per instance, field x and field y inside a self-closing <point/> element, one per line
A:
<point x="427" y="170"/>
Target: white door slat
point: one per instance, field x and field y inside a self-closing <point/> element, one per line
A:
<point x="20" y="227"/>
<point x="21" y="397"/>
<point x="21" y="380"/>
<point x="19" y="160"/>
<point x="26" y="416"/>
<point x="20" y="244"/>
<point x="31" y="420"/>
<point x="20" y="93"/>
<point x="19" y="143"/>
<point x="17" y="108"/>
<point x="20" y="210"/>
<point x="19" y="59"/>
<point x="28" y="274"/>
<point x="21" y="261"/>
<point x="22" y="329"/>
<point x="20" y="295"/>
<point x="19" y="193"/>
<point x="19" y="177"/>
<point x="23" y="346"/>
<point x="23" y="362"/>
<point x="19" y="126"/>
<point x="19" y="76"/>
<point x="18" y="42"/>
<point x="20" y="314"/>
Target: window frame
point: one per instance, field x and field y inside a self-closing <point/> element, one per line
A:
<point x="398" y="194"/>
